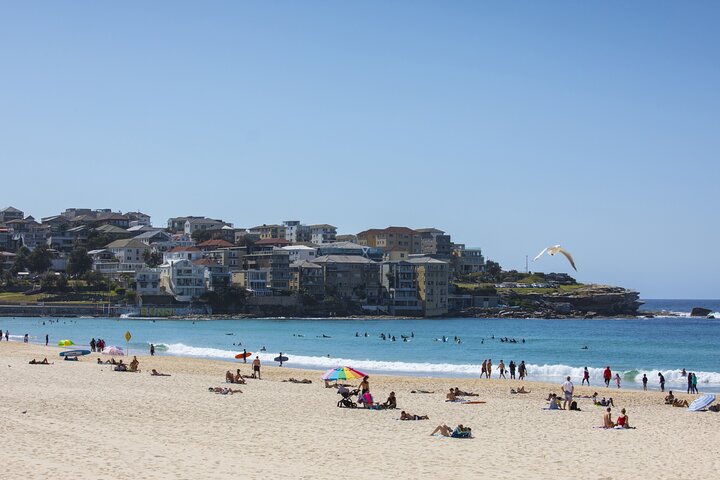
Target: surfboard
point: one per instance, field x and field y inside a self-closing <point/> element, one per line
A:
<point x="243" y="355"/>
<point x="281" y="359"/>
<point x="74" y="353"/>
<point x="701" y="403"/>
<point x="473" y="403"/>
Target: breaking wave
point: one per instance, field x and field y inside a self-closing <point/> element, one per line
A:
<point x="535" y="372"/>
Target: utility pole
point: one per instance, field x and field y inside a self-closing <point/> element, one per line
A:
<point x="526" y="264"/>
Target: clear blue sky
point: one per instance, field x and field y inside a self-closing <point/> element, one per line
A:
<point x="511" y="125"/>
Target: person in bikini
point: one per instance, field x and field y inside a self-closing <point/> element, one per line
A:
<point x="410" y="416"/>
<point x="607" y="419"/>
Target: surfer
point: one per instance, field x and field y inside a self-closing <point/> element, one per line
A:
<point x="281" y="358"/>
<point x="245" y="355"/>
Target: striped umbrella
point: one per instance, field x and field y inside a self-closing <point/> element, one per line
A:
<point x="65" y="343"/>
<point x="343" y="373"/>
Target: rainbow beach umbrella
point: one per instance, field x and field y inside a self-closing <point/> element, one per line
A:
<point x="65" y="343"/>
<point x="343" y="373"/>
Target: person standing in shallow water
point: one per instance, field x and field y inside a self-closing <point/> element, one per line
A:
<point x="152" y="350"/>
<point x="512" y="370"/>
<point x="661" y="379"/>
<point x="694" y="383"/>
<point x="47" y="339"/>
<point x="644" y="380"/>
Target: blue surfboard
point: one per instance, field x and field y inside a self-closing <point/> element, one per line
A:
<point x="74" y="353"/>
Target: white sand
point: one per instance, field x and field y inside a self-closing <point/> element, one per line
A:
<point x="87" y="421"/>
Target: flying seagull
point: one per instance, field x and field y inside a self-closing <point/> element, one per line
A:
<point x="557" y="249"/>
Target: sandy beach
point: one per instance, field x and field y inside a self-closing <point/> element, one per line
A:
<point x="85" y="420"/>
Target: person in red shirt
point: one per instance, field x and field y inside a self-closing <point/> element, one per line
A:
<point x="607" y="375"/>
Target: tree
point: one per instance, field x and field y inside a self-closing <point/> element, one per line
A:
<point x="200" y="236"/>
<point x="39" y="260"/>
<point x="493" y="268"/>
<point x="79" y="262"/>
<point x="152" y="259"/>
<point x="96" y="281"/>
<point x="21" y="260"/>
<point x="227" y="299"/>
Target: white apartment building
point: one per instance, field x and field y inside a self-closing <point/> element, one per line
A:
<point x="201" y="223"/>
<point x="130" y="254"/>
<point x="182" y="279"/>
<point x="182" y="253"/>
<point x="322" y="233"/>
<point x="300" y="252"/>
<point x="147" y="281"/>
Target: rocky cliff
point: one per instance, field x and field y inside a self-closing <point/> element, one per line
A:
<point x="591" y="299"/>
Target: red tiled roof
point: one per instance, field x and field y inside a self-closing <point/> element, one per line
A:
<point x="215" y="243"/>
<point x="183" y="249"/>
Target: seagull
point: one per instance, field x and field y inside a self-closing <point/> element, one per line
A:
<point x="557" y="249"/>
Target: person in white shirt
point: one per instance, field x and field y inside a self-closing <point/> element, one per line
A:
<point x="568" y="389"/>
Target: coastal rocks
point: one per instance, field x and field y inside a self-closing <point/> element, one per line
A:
<point x="592" y="300"/>
<point x="700" y="312"/>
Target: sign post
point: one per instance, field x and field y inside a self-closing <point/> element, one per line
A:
<point x="127" y="342"/>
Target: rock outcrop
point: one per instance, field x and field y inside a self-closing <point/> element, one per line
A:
<point x="700" y="312"/>
<point x="589" y="300"/>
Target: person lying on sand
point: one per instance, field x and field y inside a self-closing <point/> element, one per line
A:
<point x="155" y="373"/>
<point x="106" y="362"/>
<point x="36" y="362"/>
<point x="422" y="391"/>
<point x="460" y="393"/>
<point x="295" y="380"/>
<point x="223" y="390"/>
<point x="605" y="403"/>
<point x="680" y="403"/>
<point x="391" y="402"/>
<point x="715" y="408"/>
<point x="458" y="432"/>
<point x="410" y="416"/>
<point x="607" y="419"/>
<point x="521" y="390"/>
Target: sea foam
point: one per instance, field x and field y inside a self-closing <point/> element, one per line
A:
<point x="535" y="372"/>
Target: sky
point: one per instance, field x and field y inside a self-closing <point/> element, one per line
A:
<point x="511" y="125"/>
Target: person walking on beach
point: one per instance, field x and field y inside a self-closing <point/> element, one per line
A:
<point x="483" y="369"/>
<point x="617" y="380"/>
<point x="662" y="381"/>
<point x="568" y="389"/>
<point x="586" y="377"/>
<point x="644" y="380"/>
<point x="152" y="350"/>
<point x="280" y="357"/>
<point x="47" y="339"/>
<point x="256" y="367"/>
<point x="92" y="344"/>
<point x="489" y="368"/>
<point x="694" y="383"/>
<point x="25" y="338"/>
<point x="607" y="376"/>
<point x="501" y="367"/>
<point x="7" y="336"/>
<point x="512" y="370"/>
<point x="522" y="370"/>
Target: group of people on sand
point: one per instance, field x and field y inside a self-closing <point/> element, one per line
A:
<point x="511" y="368"/>
<point x="670" y="399"/>
<point x="235" y="378"/>
<point x="622" y="420"/>
<point x="454" y="394"/>
<point x="97" y="345"/>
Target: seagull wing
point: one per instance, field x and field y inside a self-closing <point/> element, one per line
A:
<point x="540" y="254"/>
<point x="568" y="256"/>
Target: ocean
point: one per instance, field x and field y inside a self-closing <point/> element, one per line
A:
<point x="552" y="349"/>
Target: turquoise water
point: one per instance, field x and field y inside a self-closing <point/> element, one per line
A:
<point x="552" y="348"/>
